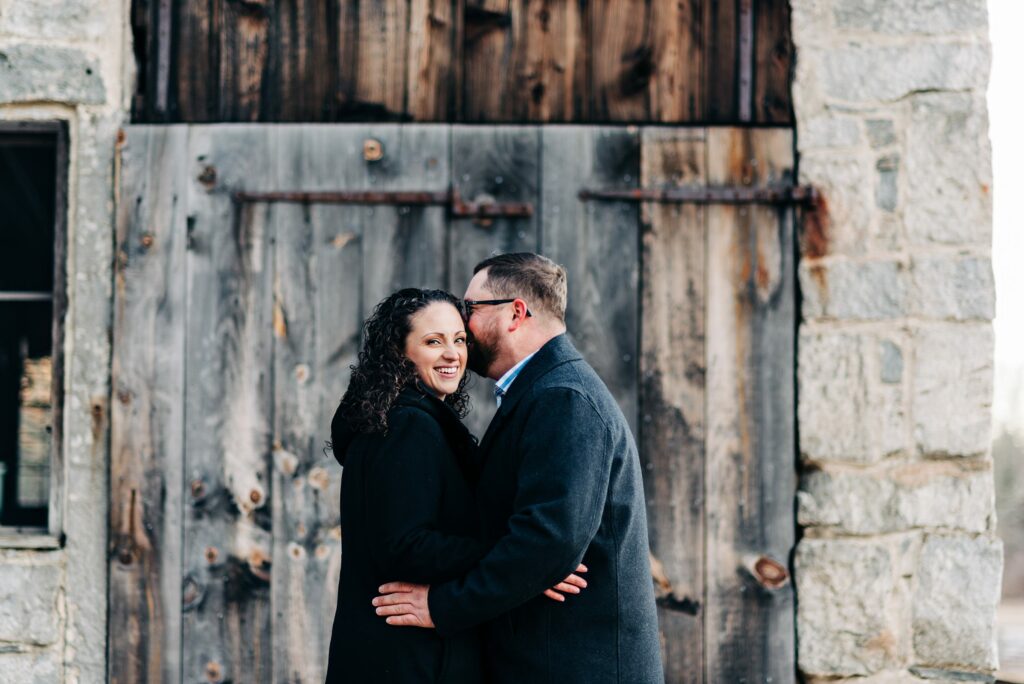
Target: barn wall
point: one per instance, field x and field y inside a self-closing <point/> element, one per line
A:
<point x="898" y="569"/>
<point x="64" y="61"/>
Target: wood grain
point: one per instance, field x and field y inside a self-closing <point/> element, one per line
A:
<point x="751" y="469"/>
<point x="226" y="548"/>
<point x="147" y="411"/>
<point x="511" y="61"/>
<point x="598" y="243"/>
<point x="673" y="394"/>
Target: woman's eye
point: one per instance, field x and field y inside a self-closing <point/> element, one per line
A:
<point x="460" y="340"/>
<point x="433" y="341"/>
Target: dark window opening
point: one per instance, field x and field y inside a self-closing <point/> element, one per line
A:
<point x="31" y="292"/>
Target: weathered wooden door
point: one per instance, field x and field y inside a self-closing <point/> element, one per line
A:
<point x="237" y="317"/>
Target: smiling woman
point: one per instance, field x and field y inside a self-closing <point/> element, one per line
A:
<point x="436" y="346"/>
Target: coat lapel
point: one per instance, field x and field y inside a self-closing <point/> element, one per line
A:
<point x="555" y="352"/>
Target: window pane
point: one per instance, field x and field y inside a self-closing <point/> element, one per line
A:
<point x="35" y="417"/>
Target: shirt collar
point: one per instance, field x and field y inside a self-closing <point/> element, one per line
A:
<point x="505" y="381"/>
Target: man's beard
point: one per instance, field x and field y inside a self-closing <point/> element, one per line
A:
<point x="481" y="356"/>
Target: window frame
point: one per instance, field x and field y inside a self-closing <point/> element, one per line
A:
<point x="52" y="536"/>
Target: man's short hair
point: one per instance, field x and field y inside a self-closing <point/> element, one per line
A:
<point x="539" y="281"/>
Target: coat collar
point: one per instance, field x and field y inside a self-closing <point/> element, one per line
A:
<point x="417" y="396"/>
<point x="555" y="352"/>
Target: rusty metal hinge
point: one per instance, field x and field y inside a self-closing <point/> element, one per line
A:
<point x="703" y="194"/>
<point x="483" y="207"/>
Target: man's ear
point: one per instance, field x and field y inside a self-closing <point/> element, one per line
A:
<point x="519" y="309"/>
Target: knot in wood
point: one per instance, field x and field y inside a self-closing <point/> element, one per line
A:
<point x="214" y="672"/>
<point x="373" y="150"/>
<point x="208" y="176"/>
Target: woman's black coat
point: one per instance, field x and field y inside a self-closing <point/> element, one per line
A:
<point x="408" y="514"/>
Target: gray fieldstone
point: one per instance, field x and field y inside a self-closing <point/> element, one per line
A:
<point x="847" y="412"/>
<point x="881" y="132"/>
<point x="35" y="667"/>
<point x="854" y="290"/>
<point x="892" y="362"/>
<point x="28" y="594"/>
<point x="31" y="73"/>
<point x="931" y="17"/>
<point x="828" y="131"/>
<point x="849" y="610"/>
<point x="899" y="498"/>
<point x="958" y="581"/>
<point x="953" y="288"/>
<point x="952" y="384"/>
<point x="886" y="187"/>
<point x="869" y="73"/>
<point x="948" y="170"/>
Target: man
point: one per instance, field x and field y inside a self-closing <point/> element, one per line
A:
<point x="560" y="485"/>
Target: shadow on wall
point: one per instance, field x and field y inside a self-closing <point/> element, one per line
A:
<point x="1008" y="454"/>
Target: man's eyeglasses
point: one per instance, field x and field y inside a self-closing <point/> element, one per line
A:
<point x="468" y="304"/>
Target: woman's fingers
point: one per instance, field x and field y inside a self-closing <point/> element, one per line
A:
<point x="566" y="588"/>
<point x="554" y="595"/>
<point x="576" y="580"/>
<point x="581" y="568"/>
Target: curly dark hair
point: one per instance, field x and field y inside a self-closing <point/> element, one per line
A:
<point x="383" y="370"/>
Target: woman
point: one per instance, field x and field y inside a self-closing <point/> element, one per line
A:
<point x="407" y="509"/>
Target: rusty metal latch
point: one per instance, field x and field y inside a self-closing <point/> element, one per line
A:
<point x="703" y="194"/>
<point x="480" y="208"/>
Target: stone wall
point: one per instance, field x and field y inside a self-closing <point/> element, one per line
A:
<point x="64" y="59"/>
<point x="898" y="569"/>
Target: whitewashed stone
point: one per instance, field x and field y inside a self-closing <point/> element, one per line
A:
<point x="31" y="73"/>
<point x="849" y="607"/>
<point x="846" y="412"/>
<point x="892" y="362"/>
<point x="955" y="288"/>
<point x="958" y="581"/>
<point x="904" y="497"/>
<point x="56" y="19"/>
<point x="952" y="390"/>
<point x="854" y="290"/>
<point x="910" y="16"/>
<point x="33" y="667"/>
<point x="845" y="181"/>
<point x="28" y="603"/>
<point x="868" y="73"/>
<point x="948" y="169"/>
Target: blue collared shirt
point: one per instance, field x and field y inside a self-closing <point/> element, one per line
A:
<point x="505" y="381"/>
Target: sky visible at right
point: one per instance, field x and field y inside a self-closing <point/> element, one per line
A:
<point x="1006" y="105"/>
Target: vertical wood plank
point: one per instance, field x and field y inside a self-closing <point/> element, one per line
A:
<point x="226" y="622"/>
<point x="621" y="60"/>
<point x="751" y="472"/>
<point x="429" y="77"/>
<point x="322" y="293"/>
<point x="773" y="62"/>
<point x="492" y="59"/>
<point x="554" y="59"/>
<point x="147" y="412"/>
<point x="302" y="67"/>
<point x="502" y="163"/>
<point x="243" y="46"/>
<point x="598" y="243"/>
<point x="672" y="394"/>
<point x="721" y="60"/>
<point x="383" y="58"/>
<point x="677" y="84"/>
<point x="194" y="69"/>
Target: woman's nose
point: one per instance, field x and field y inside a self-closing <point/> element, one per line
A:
<point x="450" y="353"/>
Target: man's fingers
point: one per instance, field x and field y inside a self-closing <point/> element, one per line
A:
<point x="392" y="587"/>
<point x="398" y="609"/>
<point x="566" y="588"/>
<point x="554" y="595"/>
<point x="404" y="621"/>
<point x="391" y="599"/>
<point x="576" y="580"/>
